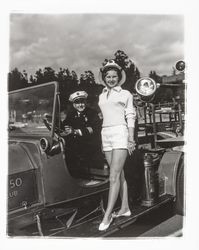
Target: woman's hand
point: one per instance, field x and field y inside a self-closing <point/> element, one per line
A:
<point x="131" y="146"/>
<point x="131" y="141"/>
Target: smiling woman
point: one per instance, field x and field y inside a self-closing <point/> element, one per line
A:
<point x="117" y="133"/>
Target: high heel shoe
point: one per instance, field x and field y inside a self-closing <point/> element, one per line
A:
<point x="103" y="227"/>
<point x="126" y="214"/>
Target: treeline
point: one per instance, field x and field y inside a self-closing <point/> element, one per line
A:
<point x="18" y="80"/>
<point x="69" y="81"/>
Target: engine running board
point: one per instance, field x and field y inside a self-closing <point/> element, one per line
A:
<point x="89" y="228"/>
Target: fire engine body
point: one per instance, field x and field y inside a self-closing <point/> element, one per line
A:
<point x="45" y="199"/>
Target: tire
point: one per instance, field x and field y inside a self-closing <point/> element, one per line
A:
<point x="179" y="203"/>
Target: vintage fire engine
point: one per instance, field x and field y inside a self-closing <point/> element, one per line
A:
<point x="45" y="199"/>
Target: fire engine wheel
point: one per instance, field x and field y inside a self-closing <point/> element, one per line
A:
<point x="179" y="203"/>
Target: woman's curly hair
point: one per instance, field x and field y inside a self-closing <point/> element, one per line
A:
<point x="104" y="72"/>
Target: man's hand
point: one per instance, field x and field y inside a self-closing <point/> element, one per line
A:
<point x="68" y="130"/>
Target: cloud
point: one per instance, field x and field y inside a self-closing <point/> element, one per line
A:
<point x="82" y="41"/>
<point x="25" y="52"/>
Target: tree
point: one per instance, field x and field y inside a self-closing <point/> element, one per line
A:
<point x="155" y="77"/>
<point x="17" y="80"/>
<point x="132" y="75"/>
<point x="87" y="79"/>
<point x="63" y="75"/>
<point x="49" y="74"/>
<point x="42" y="76"/>
<point x="121" y="58"/>
<point x="87" y="83"/>
<point x="68" y="83"/>
<point x="32" y="80"/>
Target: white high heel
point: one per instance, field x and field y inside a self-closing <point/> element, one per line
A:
<point x="103" y="227"/>
<point x="126" y="214"/>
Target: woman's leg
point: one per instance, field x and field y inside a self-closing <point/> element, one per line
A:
<point x="108" y="155"/>
<point x="116" y="165"/>
<point x="123" y="186"/>
<point x="123" y="194"/>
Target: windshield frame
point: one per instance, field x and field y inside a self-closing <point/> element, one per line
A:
<point x="56" y="92"/>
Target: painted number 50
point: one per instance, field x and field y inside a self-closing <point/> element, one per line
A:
<point x="15" y="182"/>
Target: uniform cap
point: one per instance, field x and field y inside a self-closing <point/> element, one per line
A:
<point x="78" y="95"/>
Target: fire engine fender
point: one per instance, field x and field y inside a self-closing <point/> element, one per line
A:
<point x="168" y="170"/>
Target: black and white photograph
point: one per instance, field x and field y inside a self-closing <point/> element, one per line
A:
<point x="96" y="125"/>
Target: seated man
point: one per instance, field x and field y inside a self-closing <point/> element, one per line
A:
<point x="83" y="142"/>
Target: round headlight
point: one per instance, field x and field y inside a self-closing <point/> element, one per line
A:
<point x="180" y="65"/>
<point x="44" y="144"/>
<point x="145" y="86"/>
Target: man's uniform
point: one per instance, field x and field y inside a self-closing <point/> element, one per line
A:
<point x="83" y="148"/>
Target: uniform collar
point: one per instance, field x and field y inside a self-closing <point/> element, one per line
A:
<point x="79" y="113"/>
<point x="116" y="88"/>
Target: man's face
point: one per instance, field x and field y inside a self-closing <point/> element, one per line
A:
<point x="80" y="104"/>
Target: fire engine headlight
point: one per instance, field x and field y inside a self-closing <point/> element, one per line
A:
<point x="145" y="86"/>
<point x="44" y="145"/>
<point x="180" y="65"/>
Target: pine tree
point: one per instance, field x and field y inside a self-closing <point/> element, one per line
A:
<point x="17" y="80"/>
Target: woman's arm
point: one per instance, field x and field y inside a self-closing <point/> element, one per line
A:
<point x="130" y="111"/>
<point x="131" y="141"/>
<point x="130" y="114"/>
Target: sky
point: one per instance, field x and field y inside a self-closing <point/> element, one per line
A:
<point x="81" y="42"/>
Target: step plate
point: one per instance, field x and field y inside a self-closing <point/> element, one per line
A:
<point x="90" y="227"/>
